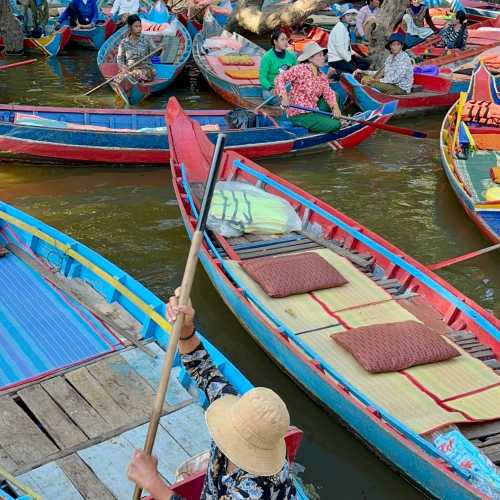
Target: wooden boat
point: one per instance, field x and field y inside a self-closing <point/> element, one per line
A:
<point x="469" y="170"/>
<point x="138" y="137"/>
<point x="430" y="92"/>
<point x="238" y="84"/>
<point x="49" y="45"/>
<point x="157" y="23"/>
<point x="385" y="285"/>
<point x="479" y="10"/>
<point x="93" y="38"/>
<point x="82" y="350"/>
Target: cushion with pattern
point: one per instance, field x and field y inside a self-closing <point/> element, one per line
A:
<point x="293" y="274"/>
<point x="389" y="347"/>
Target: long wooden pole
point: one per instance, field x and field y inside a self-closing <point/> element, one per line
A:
<point x="161" y="47"/>
<point x="20" y="63"/>
<point x="461" y="258"/>
<point x="187" y="283"/>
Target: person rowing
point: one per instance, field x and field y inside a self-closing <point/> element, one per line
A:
<point x="248" y="452"/>
<point x="274" y="61"/>
<point x="309" y="88"/>
<point x="396" y="77"/>
<point x="134" y="47"/>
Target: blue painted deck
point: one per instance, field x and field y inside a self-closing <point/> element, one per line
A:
<point x="41" y="328"/>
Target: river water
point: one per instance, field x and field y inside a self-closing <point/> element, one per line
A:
<point x="392" y="184"/>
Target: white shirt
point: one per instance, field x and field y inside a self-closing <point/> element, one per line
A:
<point x="121" y="7"/>
<point x="339" y="44"/>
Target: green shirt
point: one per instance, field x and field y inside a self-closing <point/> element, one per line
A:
<point x="271" y="65"/>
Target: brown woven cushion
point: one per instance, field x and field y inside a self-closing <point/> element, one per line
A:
<point x="292" y="274"/>
<point x="390" y="347"/>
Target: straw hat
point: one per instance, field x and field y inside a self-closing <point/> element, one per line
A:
<point x="311" y="49"/>
<point x="250" y="430"/>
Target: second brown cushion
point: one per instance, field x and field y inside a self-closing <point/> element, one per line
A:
<point x="390" y="347"/>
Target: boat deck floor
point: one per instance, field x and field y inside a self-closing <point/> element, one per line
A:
<point x="485" y="436"/>
<point x="73" y="435"/>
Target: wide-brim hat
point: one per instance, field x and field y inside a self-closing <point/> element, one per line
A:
<point x="348" y="11"/>
<point x="396" y="37"/>
<point x="250" y="430"/>
<point x="310" y="50"/>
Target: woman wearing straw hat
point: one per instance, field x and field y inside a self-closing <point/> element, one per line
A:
<point x="248" y="453"/>
<point x="309" y="88"/>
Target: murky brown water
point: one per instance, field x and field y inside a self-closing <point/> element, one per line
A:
<point x="392" y="184"/>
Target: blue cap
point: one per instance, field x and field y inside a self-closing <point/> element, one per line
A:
<point x="396" y="37"/>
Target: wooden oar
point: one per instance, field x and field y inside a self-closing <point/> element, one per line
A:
<point x="20" y="63"/>
<point x="187" y="283"/>
<point x="161" y="47"/>
<point x="263" y="103"/>
<point x="389" y="128"/>
<point x="461" y="258"/>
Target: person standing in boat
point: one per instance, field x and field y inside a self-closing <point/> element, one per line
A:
<point x="309" y="87"/>
<point x="274" y="61"/>
<point x="122" y="9"/>
<point x="247" y="458"/>
<point x="396" y="77"/>
<point x="11" y="30"/>
<point x="340" y="55"/>
<point x="134" y="47"/>
<point x="454" y="35"/>
<point x="370" y="10"/>
<point x="80" y="14"/>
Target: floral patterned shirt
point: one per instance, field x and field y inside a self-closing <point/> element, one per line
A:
<point x="237" y="485"/>
<point x="307" y="88"/>
<point x="129" y="51"/>
<point x="398" y="70"/>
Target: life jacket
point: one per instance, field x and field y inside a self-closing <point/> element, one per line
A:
<point x="483" y="112"/>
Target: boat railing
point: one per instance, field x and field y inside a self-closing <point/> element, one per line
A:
<point x="315" y="359"/>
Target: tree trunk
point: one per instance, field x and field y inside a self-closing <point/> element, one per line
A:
<point x="249" y="14"/>
<point x="378" y="30"/>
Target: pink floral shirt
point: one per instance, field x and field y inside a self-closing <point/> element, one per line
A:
<point x="306" y="89"/>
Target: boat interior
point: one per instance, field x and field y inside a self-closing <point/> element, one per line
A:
<point x="419" y="401"/>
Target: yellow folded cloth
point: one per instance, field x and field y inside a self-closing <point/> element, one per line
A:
<point x="237" y="60"/>
<point x="243" y="74"/>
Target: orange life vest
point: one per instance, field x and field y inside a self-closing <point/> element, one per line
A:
<point x="483" y="112"/>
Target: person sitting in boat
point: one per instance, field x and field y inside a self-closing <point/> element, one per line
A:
<point x="122" y="9"/>
<point x="273" y="62"/>
<point x="340" y="55"/>
<point x="80" y="14"/>
<point x="35" y="15"/>
<point x="413" y="23"/>
<point x="309" y="88"/>
<point x="247" y="457"/>
<point x="368" y="11"/>
<point x="454" y="35"/>
<point x="11" y="30"/>
<point x="134" y="47"/>
<point x="396" y="77"/>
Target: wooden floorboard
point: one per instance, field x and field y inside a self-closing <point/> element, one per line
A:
<point x="76" y="407"/>
<point x="83" y="478"/>
<point x="56" y="423"/>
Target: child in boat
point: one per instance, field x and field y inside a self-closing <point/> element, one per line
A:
<point x="396" y="77"/>
<point x="79" y="14"/>
<point x="274" y="61"/>
<point x="132" y="48"/>
<point x="309" y="88"/>
<point x="10" y="29"/>
<point x="413" y="23"/>
<point x="122" y="9"/>
<point x="370" y="10"/>
<point x="340" y="55"/>
<point x="454" y="35"/>
<point x="253" y="463"/>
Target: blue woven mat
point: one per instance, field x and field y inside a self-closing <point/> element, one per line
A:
<point x="41" y="328"/>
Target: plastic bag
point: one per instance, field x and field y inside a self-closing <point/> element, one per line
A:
<point x="464" y="455"/>
<point x="238" y="208"/>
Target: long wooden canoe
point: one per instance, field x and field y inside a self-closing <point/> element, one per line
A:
<point x="49" y="45"/>
<point x="82" y="346"/>
<point x="138" y="137"/>
<point x="396" y="412"/>
<point x="469" y="173"/>
<point x="157" y="24"/>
